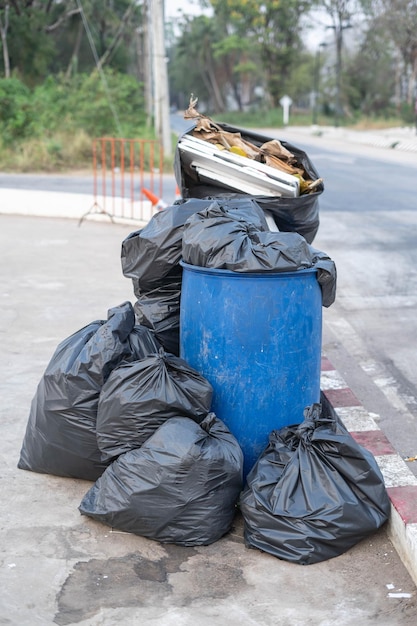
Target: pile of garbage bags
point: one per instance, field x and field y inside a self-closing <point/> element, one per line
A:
<point x="115" y="408"/>
<point x="117" y="405"/>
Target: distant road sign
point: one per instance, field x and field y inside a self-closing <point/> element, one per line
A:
<point x="286" y="102"/>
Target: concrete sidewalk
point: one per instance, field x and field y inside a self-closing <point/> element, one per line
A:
<point x="399" y="139"/>
<point x="75" y="206"/>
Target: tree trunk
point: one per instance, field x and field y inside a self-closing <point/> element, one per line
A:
<point x="3" y="33"/>
<point x="214" y="86"/>
<point x="233" y="84"/>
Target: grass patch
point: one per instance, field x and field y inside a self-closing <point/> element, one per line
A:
<point x="59" y="152"/>
<point x="369" y="123"/>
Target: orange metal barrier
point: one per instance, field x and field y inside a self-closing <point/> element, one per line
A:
<point x="122" y="169"/>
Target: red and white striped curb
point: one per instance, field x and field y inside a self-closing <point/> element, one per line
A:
<point x="400" y="482"/>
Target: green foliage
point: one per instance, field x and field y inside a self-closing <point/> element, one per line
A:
<point x="41" y="125"/>
<point x="245" y="54"/>
<point x="16" y="112"/>
<point x="84" y="102"/>
<point x="50" y="36"/>
<point x="254" y="44"/>
<point x="29" y="49"/>
<point x="369" y="77"/>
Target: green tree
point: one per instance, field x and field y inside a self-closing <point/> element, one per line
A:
<point x="28" y="49"/>
<point x="245" y="44"/>
<point x="341" y="13"/>
<point x="200" y="69"/>
<point x="51" y="36"/>
<point x="270" y="29"/>
<point x="398" y="18"/>
<point x="238" y="55"/>
<point x="369" y="76"/>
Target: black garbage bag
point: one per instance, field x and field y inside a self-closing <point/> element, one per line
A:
<point x="313" y="493"/>
<point x="159" y="310"/>
<point x="180" y="487"/>
<point x="151" y="256"/>
<point x="300" y="214"/>
<point x="326" y="275"/>
<point x="138" y="397"/>
<point x="142" y="341"/>
<point x="60" y="436"/>
<point x="169" y="283"/>
<point x="213" y="238"/>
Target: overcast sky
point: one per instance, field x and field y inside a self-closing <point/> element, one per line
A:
<point x="189" y="7"/>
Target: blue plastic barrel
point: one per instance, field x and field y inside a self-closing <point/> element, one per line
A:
<point x="257" y="340"/>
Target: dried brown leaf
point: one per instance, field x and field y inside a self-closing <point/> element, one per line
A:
<point x="276" y="149"/>
<point x="279" y="164"/>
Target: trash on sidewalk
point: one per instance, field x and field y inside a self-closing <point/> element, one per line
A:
<point x="181" y="486"/>
<point x="314" y="492"/>
<point x="119" y="406"/>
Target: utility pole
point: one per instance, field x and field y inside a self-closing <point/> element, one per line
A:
<point x="338" y="33"/>
<point x="316" y="90"/>
<point x="160" y="74"/>
<point x="339" y="44"/>
<point x="144" y="54"/>
<point x="3" y="32"/>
